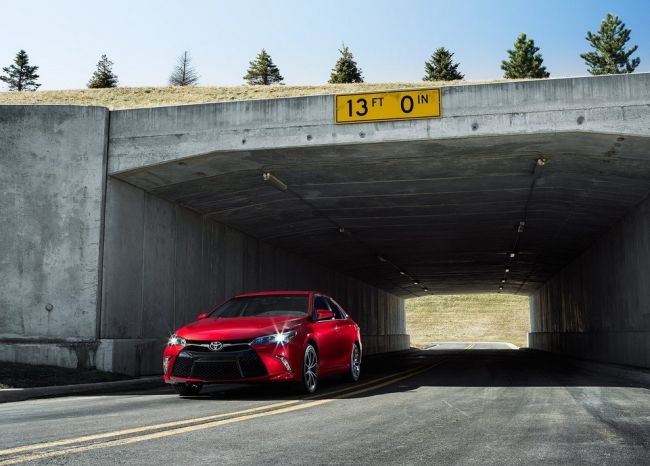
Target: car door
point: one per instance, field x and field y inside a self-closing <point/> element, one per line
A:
<point x="326" y="336"/>
<point x="344" y="333"/>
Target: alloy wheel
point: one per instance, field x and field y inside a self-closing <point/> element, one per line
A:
<point x="310" y="369"/>
<point x="355" y="363"/>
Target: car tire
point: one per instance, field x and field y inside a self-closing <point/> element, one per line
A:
<point x="188" y="389"/>
<point x="310" y="369"/>
<point x="355" y="364"/>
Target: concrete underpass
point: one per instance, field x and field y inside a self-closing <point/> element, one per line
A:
<point x="119" y="226"/>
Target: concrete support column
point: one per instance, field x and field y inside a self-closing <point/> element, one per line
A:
<point x="52" y="179"/>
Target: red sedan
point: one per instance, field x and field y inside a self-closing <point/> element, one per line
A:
<point x="279" y="336"/>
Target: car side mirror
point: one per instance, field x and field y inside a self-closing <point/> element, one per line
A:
<point x="324" y="314"/>
<point x="202" y="315"/>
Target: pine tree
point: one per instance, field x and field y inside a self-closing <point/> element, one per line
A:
<point x="610" y="56"/>
<point x="19" y="76"/>
<point x="346" y="69"/>
<point x="103" y="77"/>
<point x="441" y="68"/>
<point x="524" y="61"/>
<point x="262" y="70"/>
<point x="184" y="73"/>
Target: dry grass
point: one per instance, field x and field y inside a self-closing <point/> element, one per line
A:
<point x="139" y="97"/>
<point x="486" y="317"/>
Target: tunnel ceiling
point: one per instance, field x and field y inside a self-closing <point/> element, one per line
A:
<point x="446" y="213"/>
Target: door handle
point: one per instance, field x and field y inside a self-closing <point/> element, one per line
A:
<point x="336" y="327"/>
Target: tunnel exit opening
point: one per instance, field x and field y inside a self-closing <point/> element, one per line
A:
<point x="470" y="318"/>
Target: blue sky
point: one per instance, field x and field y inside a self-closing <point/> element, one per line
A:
<point x="390" y="40"/>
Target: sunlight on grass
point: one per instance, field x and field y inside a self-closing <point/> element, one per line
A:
<point x="138" y="97"/>
<point x="485" y="317"/>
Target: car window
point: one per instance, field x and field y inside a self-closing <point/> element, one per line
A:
<point x="338" y="312"/>
<point x="320" y="303"/>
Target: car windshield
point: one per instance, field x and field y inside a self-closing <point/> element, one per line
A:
<point x="263" y="306"/>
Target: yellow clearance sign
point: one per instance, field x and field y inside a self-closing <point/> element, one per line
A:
<point x="387" y="106"/>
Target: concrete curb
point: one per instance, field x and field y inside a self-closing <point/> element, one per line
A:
<point x="20" y="394"/>
<point x="627" y="373"/>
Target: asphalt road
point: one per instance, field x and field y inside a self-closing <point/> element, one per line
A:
<point x="463" y="403"/>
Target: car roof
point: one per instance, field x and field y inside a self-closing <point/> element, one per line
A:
<point x="267" y="293"/>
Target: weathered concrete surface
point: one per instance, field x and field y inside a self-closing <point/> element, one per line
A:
<point x="441" y="199"/>
<point x="598" y="306"/>
<point x="164" y="264"/>
<point x="610" y="104"/>
<point x="62" y="352"/>
<point x="52" y="171"/>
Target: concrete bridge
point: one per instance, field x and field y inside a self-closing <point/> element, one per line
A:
<point x="119" y="226"/>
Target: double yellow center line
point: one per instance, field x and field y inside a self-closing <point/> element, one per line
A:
<point x="55" y="448"/>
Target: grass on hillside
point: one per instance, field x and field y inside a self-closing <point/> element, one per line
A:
<point x="484" y="317"/>
<point x="139" y="97"/>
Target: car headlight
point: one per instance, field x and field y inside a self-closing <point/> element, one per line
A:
<point x="281" y="338"/>
<point x="176" y="340"/>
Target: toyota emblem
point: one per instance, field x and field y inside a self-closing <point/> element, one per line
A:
<point x="216" y="345"/>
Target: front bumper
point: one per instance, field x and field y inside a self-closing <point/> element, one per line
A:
<point x="250" y="364"/>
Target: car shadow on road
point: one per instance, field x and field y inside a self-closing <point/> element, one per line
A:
<point x="446" y="368"/>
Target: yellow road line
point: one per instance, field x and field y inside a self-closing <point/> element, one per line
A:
<point x="207" y="425"/>
<point x="157" y="435"/>
<point x="135" y="430"/>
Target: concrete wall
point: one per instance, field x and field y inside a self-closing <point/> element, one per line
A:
<point x="164" y="264"/>
<point x="52" y="171"/>
<point x="598" y="307"/>
<point x="608" y="104"/>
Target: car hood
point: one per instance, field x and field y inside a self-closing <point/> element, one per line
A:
<point x="237" y="328"/>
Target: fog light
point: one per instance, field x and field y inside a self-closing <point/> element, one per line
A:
<point x="165" y="364"/>
<point x="284" y="361"/>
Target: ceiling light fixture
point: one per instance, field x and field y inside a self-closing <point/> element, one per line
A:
<point x="416" y="282"/>
<point x="275" y="182"/>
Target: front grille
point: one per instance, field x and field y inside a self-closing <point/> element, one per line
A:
<point x="251" y="364"/>
<point x="218" y="365"/>
<point x="216" y="370"/>
<point x="183" y="365"/>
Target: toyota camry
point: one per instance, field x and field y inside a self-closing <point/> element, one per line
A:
<point x="280" y="336"/>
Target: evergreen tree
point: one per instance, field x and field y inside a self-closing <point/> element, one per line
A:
<point x="346" y="69"/>
<point x="441" y="68"/>
<point x="19" y="76"/>
<point x="184" y="73"/>
<point x="610" y="56"/>
<point x="103" y="76"/>
<point x="524" y="61"/>
<point x="262" y="70"/>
